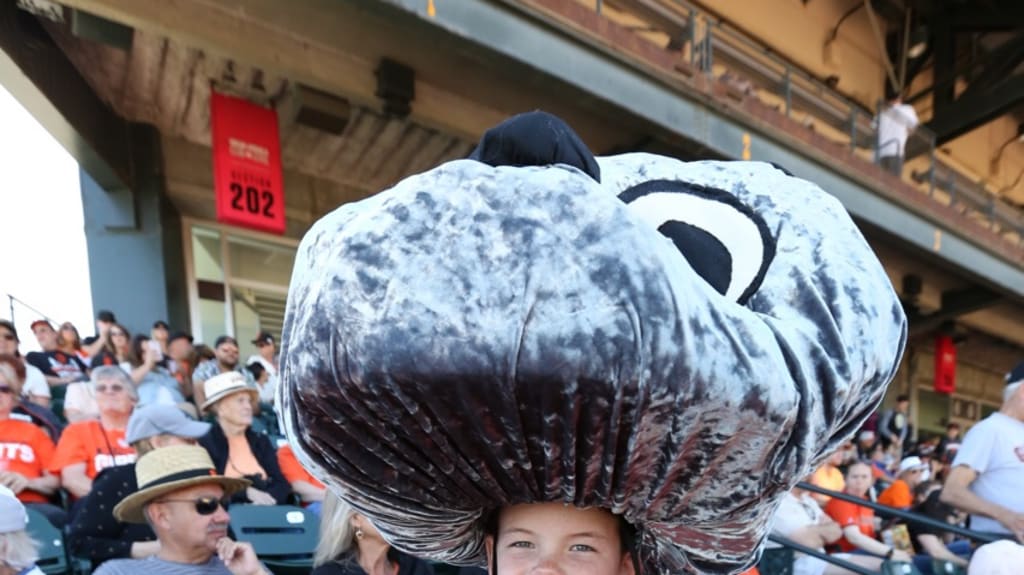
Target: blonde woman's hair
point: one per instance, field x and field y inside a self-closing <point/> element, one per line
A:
<point x="18" y="550"/>
<point x="337" y="537"/>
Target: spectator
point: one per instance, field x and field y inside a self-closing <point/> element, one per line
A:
<point x="302" y="482"/>
<point x="267" y="357"/>
<point x="25" y="453"/>
<point x="35" y="388"/>
<point x="104" y="321"/>
<point x="160" y="333"/>
<point x="180" y="355"/>
<point x="857" y="521"/>
<point x="894" y="425"/>
<point x="154" y="383"/>
<point x="350" y="545"/>
<point x="929" y="542"/>
<point x="539" y="537"/>
<point x="59" y="368"/>
<point x="185" y="501"/>
<point x="900" y="494"/>
<point x="988" y="471"/>
<point x="236" y="449"/>
<point x="69" y="341"/>
<point x="80" y="401"/>
<point x="90" y="446"/>
<point x="865" y="444"/>
<point x="950" y="443"/>
<point x="95" y="533"/>
<point x="895" y="122"/>
<point x="828" y="476"/>
<point x="18" y="551"/>
<point x="226" y="351"/>
<point x="800" y="519"/>
<point x="264" y="384"/>
<point x="116" y="349"/>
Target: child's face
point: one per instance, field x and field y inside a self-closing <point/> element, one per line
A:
<point x="554" y="538"/>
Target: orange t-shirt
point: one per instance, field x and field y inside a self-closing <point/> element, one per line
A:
<point x="90" y="443"/>
<point x="292" y="469"/>
<point x="897" y="495"/>
<point x="846" y="514"/>
<point x="25" y="449"/>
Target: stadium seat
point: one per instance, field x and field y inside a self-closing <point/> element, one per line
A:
<point x="943" y="567"/>
<point x="53" y="558"/>
<point x="284" y="537"/>
<point x="776" y="561"/>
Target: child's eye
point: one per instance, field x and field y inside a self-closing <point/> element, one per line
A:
<point x="582" y="547"/>
<point x="520" y="545"/>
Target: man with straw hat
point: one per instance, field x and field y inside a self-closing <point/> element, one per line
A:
<point x="185" y="501"/>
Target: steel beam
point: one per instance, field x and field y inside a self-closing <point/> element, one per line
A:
<point x="972" y="110"/>
<point x="507" y="30"/>
<point x="40" y="77"/>
<point x="954" y="304"/>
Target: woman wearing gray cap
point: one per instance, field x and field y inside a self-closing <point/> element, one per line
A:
<point x="94" y="532"/>
<point x="18" y="552"/>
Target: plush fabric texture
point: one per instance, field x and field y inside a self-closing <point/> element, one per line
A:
<point x="479" y="336"/>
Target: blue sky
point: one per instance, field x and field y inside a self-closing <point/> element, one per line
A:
<point x="41" y="228"/>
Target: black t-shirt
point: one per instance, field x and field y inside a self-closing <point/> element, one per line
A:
<point x="58" y="364"/>
<point x="102" y="358"/>
<point x="933" y="509"/>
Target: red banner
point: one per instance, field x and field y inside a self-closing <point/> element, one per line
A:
<point x="247" y="180"/>
<point x="945" y="364"/>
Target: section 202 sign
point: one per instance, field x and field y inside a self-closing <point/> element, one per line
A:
<point x="248" y="185"/>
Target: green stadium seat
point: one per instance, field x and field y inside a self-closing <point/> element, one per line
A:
<point x="283" y="536"/>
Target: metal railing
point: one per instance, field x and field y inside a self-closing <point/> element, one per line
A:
<point x="716" y="49"/>
<point x="12" y="300"/>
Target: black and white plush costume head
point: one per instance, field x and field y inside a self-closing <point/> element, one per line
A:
<point x="676" y="342"/>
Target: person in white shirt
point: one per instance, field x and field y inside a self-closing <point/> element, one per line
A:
<point x="35" y="388"/>
<point x="988" y="470"/>
<point x="895" y="122"/>
<point x="801" y="520"/>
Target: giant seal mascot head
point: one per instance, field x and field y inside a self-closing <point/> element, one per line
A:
<point x="675" y="342"/>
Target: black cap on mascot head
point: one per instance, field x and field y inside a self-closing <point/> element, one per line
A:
<point x="679" y="343"/>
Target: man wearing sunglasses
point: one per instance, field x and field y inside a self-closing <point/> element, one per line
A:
<point x="184" y="499"/>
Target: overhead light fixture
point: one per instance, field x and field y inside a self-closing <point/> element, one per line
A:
<point x="396" y="85"/>
<point x="918" y="42"/>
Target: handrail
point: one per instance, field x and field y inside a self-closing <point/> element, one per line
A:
<point x="785" y="542"/>
<point x="887" y="511"/>
<point x="800" y="90"/>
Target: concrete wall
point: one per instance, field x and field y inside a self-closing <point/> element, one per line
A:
<point x="134" y="244"/>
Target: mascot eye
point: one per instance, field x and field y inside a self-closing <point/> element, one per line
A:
<point x="723" y="240"/>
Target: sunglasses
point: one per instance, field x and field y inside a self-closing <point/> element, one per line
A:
<point x="120" y="333"/>
<point x="114" y="388"/>
<point x="6" y="389"/>
<point x="205" y="505"/>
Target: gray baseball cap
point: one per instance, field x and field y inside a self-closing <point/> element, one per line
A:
<point x="163" y="419"/>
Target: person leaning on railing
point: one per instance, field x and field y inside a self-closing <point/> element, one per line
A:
<point x="929" y="541"/>
<point x="988" y="471"/>
<point x="857" y="521"/>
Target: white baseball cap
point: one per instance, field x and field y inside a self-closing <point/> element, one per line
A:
<point x="911" y="463"/>
<point x="12" y="513"/>
<point x="1000" y="558"/>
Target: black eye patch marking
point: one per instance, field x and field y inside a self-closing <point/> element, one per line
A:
<point x="723" y="239"/>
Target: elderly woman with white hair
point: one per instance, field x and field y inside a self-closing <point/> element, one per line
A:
<point x="18" y="552"/>
<point x="88" y="447"/>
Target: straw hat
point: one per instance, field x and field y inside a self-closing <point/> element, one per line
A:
<point x="222" y="385"/>
<point x="169" y="469"/>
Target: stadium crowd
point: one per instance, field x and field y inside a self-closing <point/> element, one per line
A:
<point x="77" y="416"/>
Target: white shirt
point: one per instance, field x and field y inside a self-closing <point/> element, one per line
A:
<point x="35" y="382"/>
<point x="994" y="448"/>
<point x="894" y="125"/>
<point x="795" y="513"/>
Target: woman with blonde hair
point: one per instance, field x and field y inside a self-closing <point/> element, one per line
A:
<point x="18" y="551"/>
<point x="350" y="545"/>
